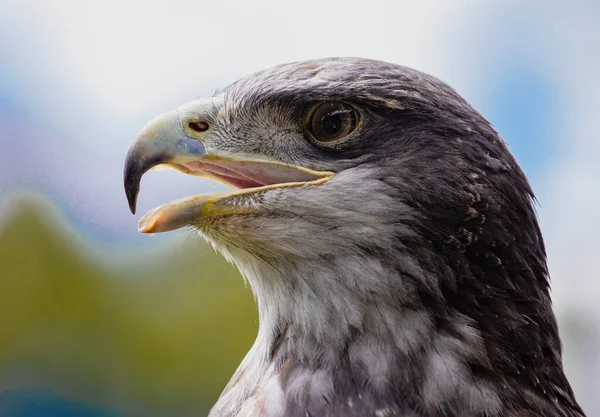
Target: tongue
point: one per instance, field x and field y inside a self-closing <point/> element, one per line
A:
<point x="248" y="174"/>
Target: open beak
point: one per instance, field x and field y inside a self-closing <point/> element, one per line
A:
<point x="168" y="140"/>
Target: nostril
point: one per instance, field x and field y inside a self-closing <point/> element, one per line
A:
<point x="198" y="126"/>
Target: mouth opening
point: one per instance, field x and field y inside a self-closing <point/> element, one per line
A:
<point x="244" y="176"/>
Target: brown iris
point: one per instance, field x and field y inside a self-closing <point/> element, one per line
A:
<point x="330" y="122"/>
<point x="198" y="126"/>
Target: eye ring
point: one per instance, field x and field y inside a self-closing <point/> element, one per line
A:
<point x="331" y="122"/>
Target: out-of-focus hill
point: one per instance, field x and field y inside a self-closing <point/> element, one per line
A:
<point x="158" y="338"/>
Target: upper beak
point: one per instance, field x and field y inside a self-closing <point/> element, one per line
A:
<point x="163" y="140"/>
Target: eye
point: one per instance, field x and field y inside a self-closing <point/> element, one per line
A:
<point x="198" y="126"/>
<point x="332" y="121"/>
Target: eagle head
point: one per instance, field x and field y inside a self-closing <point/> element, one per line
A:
<point x="388" y="235"/>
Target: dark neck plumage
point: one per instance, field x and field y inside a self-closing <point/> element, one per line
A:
<point x="442" y="339"/>
<point x="422" y="336"/>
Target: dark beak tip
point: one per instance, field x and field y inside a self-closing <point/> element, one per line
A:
<point x="132" y="207"/>
<point x="132" y="174"/>
<point x="132" y="189"/>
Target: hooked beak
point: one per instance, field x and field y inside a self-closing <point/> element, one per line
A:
<point x="161" y="141"/>
<point x="174" y="140"/>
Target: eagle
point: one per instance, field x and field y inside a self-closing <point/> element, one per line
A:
<point x="388" y="235"/>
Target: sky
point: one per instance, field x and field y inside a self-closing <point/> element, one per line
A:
<point x="78" y="80"/>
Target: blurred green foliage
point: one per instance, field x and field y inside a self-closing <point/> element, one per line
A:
<point x="160" y="336"/>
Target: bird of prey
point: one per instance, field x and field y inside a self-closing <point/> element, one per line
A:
<point x="388" y="235"/>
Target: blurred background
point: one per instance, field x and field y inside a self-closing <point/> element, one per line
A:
<point x="98" y="320"/>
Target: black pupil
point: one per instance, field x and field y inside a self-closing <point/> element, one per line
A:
<point x="332" y="121"/>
